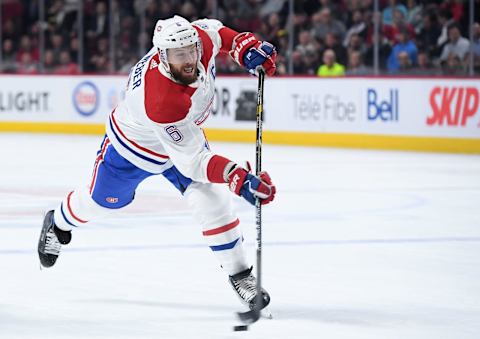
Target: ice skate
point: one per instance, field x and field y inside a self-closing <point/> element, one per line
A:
<point x="245" y="284"/>
<point x="51" y="239"/>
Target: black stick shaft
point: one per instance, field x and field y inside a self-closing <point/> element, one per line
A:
<point x="258" y="169"/>
<point x="254" y="314"/>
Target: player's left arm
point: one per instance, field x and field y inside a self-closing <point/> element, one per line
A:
<point x="244" y="48"/>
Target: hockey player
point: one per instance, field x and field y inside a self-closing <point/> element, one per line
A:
<point x="156" y="130"/>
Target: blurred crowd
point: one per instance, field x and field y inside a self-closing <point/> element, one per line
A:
<point x="331" y="38"/>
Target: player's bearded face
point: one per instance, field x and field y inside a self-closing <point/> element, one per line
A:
<point x="183" y="63"/>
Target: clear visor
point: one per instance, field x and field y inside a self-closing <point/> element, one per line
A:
<point x="183" y="55"/>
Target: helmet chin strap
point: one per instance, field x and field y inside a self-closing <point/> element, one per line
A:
<point x="163" y="60"/>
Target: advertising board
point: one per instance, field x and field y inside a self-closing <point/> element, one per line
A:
<point x="400" y="113"/>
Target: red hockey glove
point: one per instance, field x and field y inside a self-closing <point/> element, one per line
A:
<point x="251" y="53"/>
<point x="251" y="187"/>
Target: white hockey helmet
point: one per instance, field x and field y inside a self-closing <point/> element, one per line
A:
<point x="176" y="32"/>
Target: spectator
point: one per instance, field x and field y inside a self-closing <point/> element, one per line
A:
<point x="27" y="64"/>
<point x="404" y="63"/>
<point x="332" y="43"/>
<point x="476" y="46"/>
<point x="332" y="6"/>
<point x="310" y="62"/>
<point x="428" y="36"/>
<point x="403" y="45"/>
<point x="101" y="64"/>
<point x="66" y="65"/>
<point x="281" y="65"/>
<point x="26" y="47"/>
<point x="99" y="61"/>
<point x="399" y="23"/>
<point x="10" y="29"/>
<point x="457" y="45"/>
<point x="49" y="62"/>
<point x="127" y="33"/>
<point x="414" y="15"/>
<point x="350" y="8"/>
<point x="356" y="44"/>
<point x="9" y="60"/>
<point x="274" y="25"/>
<point x="297" y="62"/>
<point x="445" y="19"/>
<point x="13" y="9"/>
<point x="356" y="65"/>
<point x="188" y="11"/>
<point x="388" y="12"/>
<point x="305" y="42"/>
<point x="56" y="45"/>
<point x="330" y="67"/>
<point x="301" y="21"/>
<point x="62" y="14"/>
<point x="74" y="46"/>
<point x="384" y="52"/>
<point x="358" y="27"/>
<point x="97" y="24"/>
<point x="323" y="23"/>
<point x="454" y="66"/>
<point x="351" y="21"/>
<point x="424" y="65"/>
<point x="455" y="7"/>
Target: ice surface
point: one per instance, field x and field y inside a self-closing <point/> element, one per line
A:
<point x="358" y="244"/>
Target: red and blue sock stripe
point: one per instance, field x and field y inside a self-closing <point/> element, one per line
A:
<point x="223" y="232"/>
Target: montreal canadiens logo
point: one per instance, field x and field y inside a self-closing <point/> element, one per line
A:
<point x="111" y="200"/>
<point x="86" y="98"/>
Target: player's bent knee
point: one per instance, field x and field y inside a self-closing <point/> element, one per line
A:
<point x="79" y="207"/>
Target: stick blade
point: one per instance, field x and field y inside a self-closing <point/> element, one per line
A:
<point x="249" y="317"/>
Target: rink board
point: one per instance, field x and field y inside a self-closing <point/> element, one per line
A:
<point x="424" y="114"/>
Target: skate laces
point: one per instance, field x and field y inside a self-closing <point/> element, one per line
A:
<point x="246" y="287"/>
<point x="52" y="245"/>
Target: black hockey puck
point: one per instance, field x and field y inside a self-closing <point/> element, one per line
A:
<point x="240" y="328"/>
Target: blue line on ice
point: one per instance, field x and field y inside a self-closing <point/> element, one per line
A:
<point x="268" y="243"/>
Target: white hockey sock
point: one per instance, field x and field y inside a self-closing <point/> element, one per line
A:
<point x="78" y="208"/>
<point x="226" y="242"/>
<point x="212" y="208"/>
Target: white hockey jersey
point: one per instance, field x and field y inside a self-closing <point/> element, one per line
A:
<point x="157" y="125"/>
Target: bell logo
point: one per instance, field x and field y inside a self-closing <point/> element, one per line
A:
<point x="385" y="109"/>
<point x="455" y="105"/>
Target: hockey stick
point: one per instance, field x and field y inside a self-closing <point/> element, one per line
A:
<point x="253" y="315"/>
